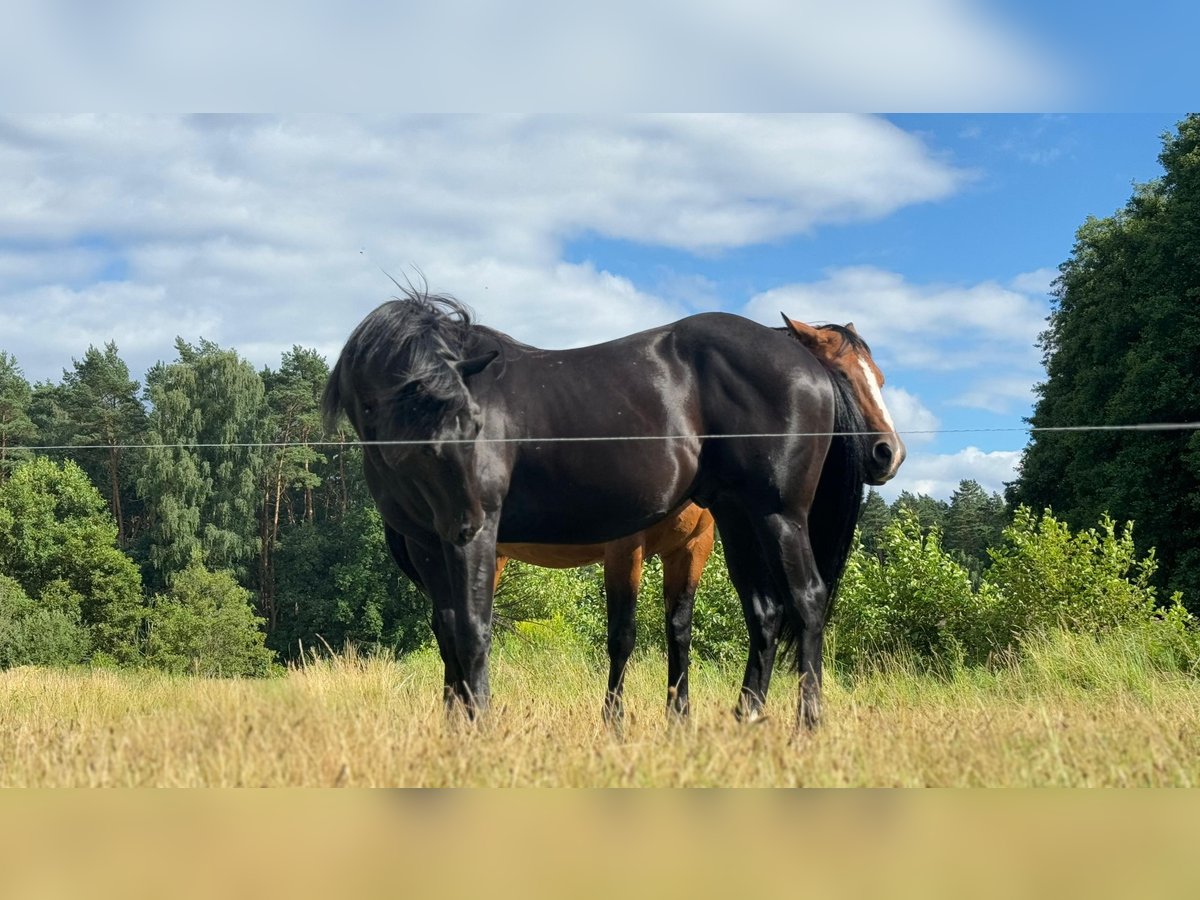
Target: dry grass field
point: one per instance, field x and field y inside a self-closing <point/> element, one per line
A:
<point x="1075" y="713"/>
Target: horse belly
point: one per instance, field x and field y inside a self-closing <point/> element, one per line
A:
<point x="594" y="497"/>
<point x="554" y="556"/>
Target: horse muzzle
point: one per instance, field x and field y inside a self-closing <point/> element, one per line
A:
<point x="466" y="534"/>
<point x="886" y="457"/>
<point x="462" y="530"/>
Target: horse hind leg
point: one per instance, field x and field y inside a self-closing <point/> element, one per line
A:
<point x="682" y="569"/>
<point x="622" y="577"/>
<point x="806" y="600"/>
<point x="748" y="571"/>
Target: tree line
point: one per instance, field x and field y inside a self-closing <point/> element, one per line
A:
<point x="210" y="470"/>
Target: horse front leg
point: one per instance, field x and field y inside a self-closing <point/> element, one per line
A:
<point x="460" y="581"/>
<point x="467" y="614"/>
<point x="424" y="567"/>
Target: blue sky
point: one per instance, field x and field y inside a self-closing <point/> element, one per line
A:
<point x="938" y="235"/>
<point x="1030" y="181"/>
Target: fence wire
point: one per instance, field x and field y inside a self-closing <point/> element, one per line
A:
<point x="558" y="439"/>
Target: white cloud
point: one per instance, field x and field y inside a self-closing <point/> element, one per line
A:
<point x="1037" y="283"/>
<point x="469" y="54"/>
<point x="910" y="415"/>
<point x="908" y="319"/>
<point x="266" y="231"/>
<point x="938" y="475"/>
<point x="984" y="335"/>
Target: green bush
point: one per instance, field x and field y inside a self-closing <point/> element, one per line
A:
<point x="45" y="632"/>
<point x="1089" y="581"/>
<point x="552" y="606"/>
<point x="909" y="597"/>
<point x="205" y="625"/>
<point x="57" y="537"/>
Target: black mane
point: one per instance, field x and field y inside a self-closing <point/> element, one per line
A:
<point x="409" y="344"/>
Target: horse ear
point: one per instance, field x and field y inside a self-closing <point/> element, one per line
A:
<point x="476" y="364"/>
<point x="850" y="328"/>
<point x="808" y="335"/>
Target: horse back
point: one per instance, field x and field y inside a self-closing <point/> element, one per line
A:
<point x="644" y="409"/>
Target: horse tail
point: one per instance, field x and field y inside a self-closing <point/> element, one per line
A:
<point x="836" y="506"/>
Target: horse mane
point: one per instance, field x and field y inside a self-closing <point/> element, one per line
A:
<point x="838" y="501"/>
<point x="411" y="342"/>
<point x="850" y="338"/>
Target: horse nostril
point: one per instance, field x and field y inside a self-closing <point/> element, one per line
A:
<point x="882" y="453"/>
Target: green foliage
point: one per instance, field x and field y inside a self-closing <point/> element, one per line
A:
<point x="969" y="524"/>
<point x="338" y="584"/>
<point x="100" y="407"/>
<point x="872" y="517"/>
<point x="915" y="601"/>
<point x="973" y="523"/>
<point x="911" y="597"/>
<point x="930" y="512"/>
<point x="1122" y="347"/>
<point x="56" y="537"/>
<point x="204" y="625"/>
<point x="16" y="428"/>
<point x="1088" y="581"/>
<point x="42" y="632"/>
<point x="291" y="467"/>
<point x="553" y="606"/>
<point x="203" y="498"/>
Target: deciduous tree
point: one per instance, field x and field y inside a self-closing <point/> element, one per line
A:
<point x="1123" y="347"/>
<point x="201" y="484"/>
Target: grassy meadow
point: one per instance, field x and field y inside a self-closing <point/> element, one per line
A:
<point x="1077" y="711"/>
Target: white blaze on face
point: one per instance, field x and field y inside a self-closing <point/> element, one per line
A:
<point x="876" y="394"/>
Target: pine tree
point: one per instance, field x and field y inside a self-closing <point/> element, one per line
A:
<point x="872" y="519"/>
<point x="16" y="428"/>
<point x="931" y="513"/>
<point x="974" y="522"/>
<point x="291" y="469"/>
<point x="101" y="404"/>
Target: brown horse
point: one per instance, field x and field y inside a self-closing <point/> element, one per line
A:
<point x="684" y="542"/>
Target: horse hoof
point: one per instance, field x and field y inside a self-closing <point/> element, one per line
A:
<point x="749" y="716"/>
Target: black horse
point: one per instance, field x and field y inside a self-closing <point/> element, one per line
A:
<point x="474" y="438"/>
